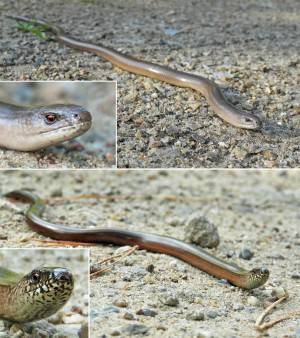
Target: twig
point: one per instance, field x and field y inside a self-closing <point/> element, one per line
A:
<point x="260" y="326"/>
<point x="96" y="268"/>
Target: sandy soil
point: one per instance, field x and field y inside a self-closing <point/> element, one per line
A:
<point x="250" y="49"/>
<point x="94" y="149"/>
<point x="77" y="261"/>
<point x="258" y="211"/>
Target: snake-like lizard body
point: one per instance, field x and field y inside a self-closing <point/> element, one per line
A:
<point x="201" y="259"/>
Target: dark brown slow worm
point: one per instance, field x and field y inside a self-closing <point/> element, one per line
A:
<point x="33" y="128"/>
<point x="186" y="252"/>
<point x="207" y="88"/>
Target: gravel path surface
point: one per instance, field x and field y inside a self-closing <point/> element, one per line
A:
<point x="257" y="216"/>
<point x="67" y="322"/>
<point x="250" y="49"/>
<point x="94" y="149"/>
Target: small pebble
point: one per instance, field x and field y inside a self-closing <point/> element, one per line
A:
<point x="279" y="292"/>
<point x="161" y="327"/>
<point x="169" y="300"/>
<point x="212" y="314"/>
<point x="203" y="334"/>
<point x="176" y="265"/>
<point x="195" y="315"/>
<point x="115" y="333"/>
<point x="128" y="315"/>
<point x="57" y="193"/>
<point x="150" y="268"/>
<point x="267" y="292"/>
<point x="146" y="312"/>
<point x="295" y="275"/>
<point x="246" y="254"/>
<point x="238" y="307"/>
<point x="135" y="329"/>
<point x="253" y="301"/>
<point x="95" y="313"/>
<point x="120" y="303"/>
<point x="73" y="319"/>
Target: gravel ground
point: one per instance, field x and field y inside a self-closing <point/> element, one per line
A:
<point x="249" y="48"/>
<point x="94" y="149"/>
<point x="69" y="320"/>
<point x="256" y="213"/>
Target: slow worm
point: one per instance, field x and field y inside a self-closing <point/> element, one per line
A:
<point x="206" y="87"/>
<point x="245" y="279"/>
<point x="34" y="128"/>
<point x="34" y="296"/>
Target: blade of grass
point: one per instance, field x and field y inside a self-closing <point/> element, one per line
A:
<point x="38" y="31"/>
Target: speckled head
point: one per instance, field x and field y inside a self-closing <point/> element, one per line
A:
<point x="42" y="292"/>
<point x="250" y="121"/>
<point x="258" y="277"/>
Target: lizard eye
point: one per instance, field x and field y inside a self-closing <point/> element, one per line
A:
<point x="50" y="118"/>
<point x="35" y="277"/>
<point x="248" y="120"/>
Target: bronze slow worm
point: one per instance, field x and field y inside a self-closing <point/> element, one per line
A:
<point x="34" y="296"/>
<point x="245" y="279"/>
<point x="206" y="87"/>
<point x="34" y="128"/>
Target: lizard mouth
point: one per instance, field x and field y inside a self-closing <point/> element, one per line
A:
<point x="82" y="127"/>
<point x="63" y="275"/>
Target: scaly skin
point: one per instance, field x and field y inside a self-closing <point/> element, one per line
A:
<point x="34" y="128"/>
<point x="207" y="88"/>
<point x="37" y="295"/>
<point x="203" y="260"/>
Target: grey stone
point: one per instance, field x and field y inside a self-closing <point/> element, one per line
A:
<point x="104" y="311"/>
<point x="135" y="329"/>
<point x="246" y="254"/>
<point x="201" y="231"/>
<point x="295" y="275"/>
<point x="169" y="300"/>
<point x="212" y="314"/>
<point x="128" y="315"/>
<point x="195" y="315"/>
<point x="146" y="312"/>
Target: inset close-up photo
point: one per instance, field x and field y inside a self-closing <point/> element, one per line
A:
<point x="57" y="124"/>
<point x="44" y="293"/>
<point x="201" y="83"/>
<point x="173" y="253"/>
